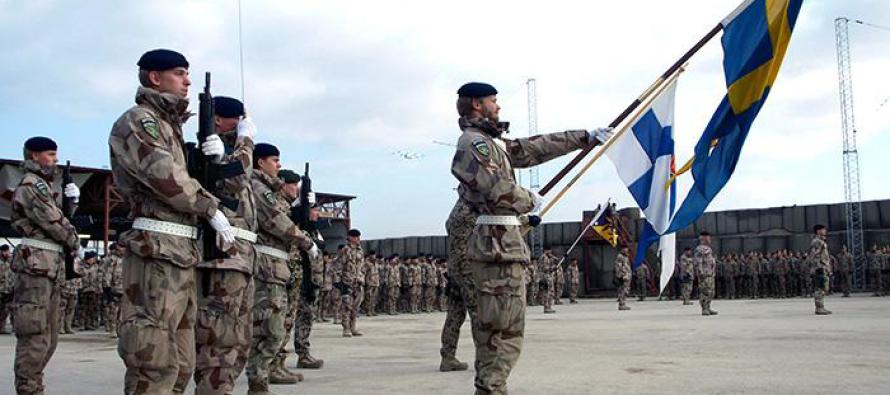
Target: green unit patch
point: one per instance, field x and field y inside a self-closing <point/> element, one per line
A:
<point x="270" y="197"/>
<point x="151" y="127"/>
<point x="482" y="147"/>
<point x="42" y="188"/>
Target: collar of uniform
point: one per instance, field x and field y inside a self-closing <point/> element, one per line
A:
<point x="486" y="125"/>
<point x="171" y="106"/>
<point x="48" y="173"/>
<point x="274" y="183"/>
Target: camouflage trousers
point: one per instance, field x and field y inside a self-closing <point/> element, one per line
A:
<point x="36" y="327"/>
<point x="5" y="309"/>
<point x="392" y="299"/>
<point x="270" y="303"/>
<point x="623" y="290"/>
<point x="334" y="307"/>
<point x="88" y="310"/>
<point x="573" y="291"/>
<point x="461" y="302"/>
<point x="113" y="313"/>
<point x="500" y="314"/>
<point x="157" y="332"/>
<point x="532" y="289"/>
<point x="371" y="293"/>
<point x="558" y="288"/>
<point x="414" y="296"/>
<point x="686" y="290"/>
<point x="349" y="307"/>
<point x="844" y="282"/>
<point x="641" y="287"/>
<point x="877" y="282"/>
<point x="429" y="297"/>
<point x="322" y="304"/>
<point x="224" y="329"/>
<point x="547" y="293"/>
<point x="298" y="318"/>
<point x="67" y="306"/>
<point x="706" y="291"/>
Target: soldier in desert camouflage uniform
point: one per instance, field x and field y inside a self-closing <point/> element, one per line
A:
<point x="7" y="284"/>
<point x="38" y="262"/>
<point x="278" y="237"/>
<point x="351" y="260"/>
<point x="821" y="268"/>
<point x="687" y="275"/>
<point x="372" y="283"/>
<point x="68" y="303"/>
<point x="573" y="278"/>
<point x="88" y="296"/>
<point x="113" y="288"/>
<point x="705" y="268"/>
<point x="622" y="278"/>
<point x="393" y="285"/>
<point x="495" y="251"/>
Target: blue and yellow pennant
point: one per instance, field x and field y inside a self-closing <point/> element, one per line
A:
<point x="755" y="39"/>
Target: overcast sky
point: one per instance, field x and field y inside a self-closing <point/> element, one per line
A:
<point x="346" y="84"/>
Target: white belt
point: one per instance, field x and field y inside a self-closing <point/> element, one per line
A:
<point x="167" y="228"/>
<point x="280" y="254"/>
<point x="504" y="220"/>
<point x="43" y="245"/>
<point x="245" y="235"/>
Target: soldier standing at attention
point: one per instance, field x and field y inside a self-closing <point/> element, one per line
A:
<point x="495" y="251"/>
<point x="573" y="277"/>
<point x="277" y="235"/>
<point x="642" y="276"/>
<point x="372" y="283"/>
<point x="6" y="286"/>
<point x="622" y="278"/>
<point x="113" y="288"/>
<point x="687" y="275"/>
<point x="158" y="312"/>
<point x="90" y="286"/>
<point x="705" y="267"/>
<point x="844" y="265"/>
<point x="68" y="304"/>
<point x="393" y="285"/>
<point x="821" y="266"/>
<point x="38" y="262"/>
<point x="351" y="260"/>
<point x="559" y="283"/>
<point x="225" y="286"/>
<point x="548" y="281"/>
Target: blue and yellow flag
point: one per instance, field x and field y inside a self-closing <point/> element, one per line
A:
<point x="755" y="39"/>
<point x="605" y="226"/>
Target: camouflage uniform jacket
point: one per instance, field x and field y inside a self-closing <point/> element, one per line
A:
<point x="148" y="161"/>
<point x="572" y="274"/>
<point x="372" y="272"/>
<point x="114" y="274"/>
<point x="485" y="171"/>
<point x="276" y="230"/>
<point x="819" y="257"/>
<point x="442" y="274"/>
<point x="91" y="280"/>
<point x="393" y="278"/>
<point x="430" y="275"/>
<point x="547" y="264"/>
<point x="328" y="282"/>
<point x="686" y="267"/>
<point x="36" y="214"/>
<point x="7" y="277"/>
<point x="351" y="260"/>
<point x="622" y="267"/>
<point x="704" y="261"/>
<point x="417" y="273"/>
<point x="241" y="255"/>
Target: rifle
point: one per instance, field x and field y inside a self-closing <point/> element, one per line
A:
<point x="205" y="171"/>
<point x="301" y="216"/>
<point x="68" y="212"/>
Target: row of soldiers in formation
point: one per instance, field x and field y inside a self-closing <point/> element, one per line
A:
<point x="778" y="274"/>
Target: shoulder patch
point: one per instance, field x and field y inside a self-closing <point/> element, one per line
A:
<point x="482" y="148"/>
<point x="150" y="126"/>
<point x="42" y="188"/>
<point x="270" y="196"/>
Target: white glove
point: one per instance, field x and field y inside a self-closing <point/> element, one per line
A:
<point x="221" y="225"/>
<point x="72" y="191"/>
<point x="313" y="252"/>
<point x="311" y="198"/>
<point x="601" y="134"/>
<point x="81" y="253"/>
<point x="213" y="147"/>
<point x="246" y="128"/>
<point x="538" y="202"/>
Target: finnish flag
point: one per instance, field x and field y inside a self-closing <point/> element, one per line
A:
<point x="644" y="159"/>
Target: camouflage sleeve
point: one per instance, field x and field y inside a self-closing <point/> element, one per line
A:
<point x="243" y="153"/>
<point x="479" y="172"/>
<point x="280" y="225"/>
<point x="41" y="211"/>
<point x="697" y="261"/>
<point x="532" y="151"/>
<point x="148" y="159"/>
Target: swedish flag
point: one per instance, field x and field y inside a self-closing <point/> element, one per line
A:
<point x="755" y="39"/>
<point x="606" y="228"/>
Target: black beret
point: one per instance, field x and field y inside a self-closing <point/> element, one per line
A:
<point x="4" y="247"/>
<point x="818" y="228"/>
<point x="162" y="59"/>
<point x="288" y="176"/>
<point x="704" y="234"/>
<point x="90" y="255"/>
<point x="263" y="150"/>
<point x="476" y="89"/>
<point x="40" y="144"/>
<point x="228" y="107"/>
<point x="354" y="233"/>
